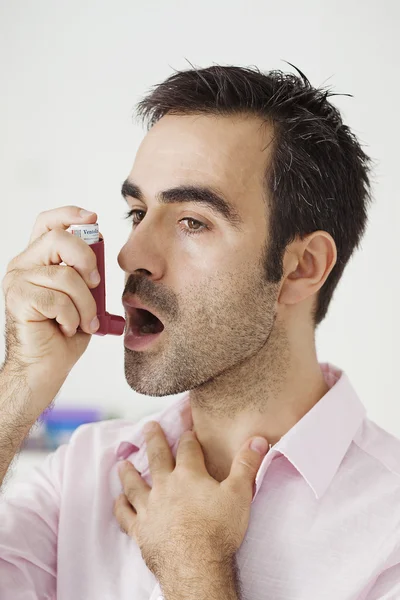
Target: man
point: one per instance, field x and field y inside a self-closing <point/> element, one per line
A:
<point x="248" y="195"/>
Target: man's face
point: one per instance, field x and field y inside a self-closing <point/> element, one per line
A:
<point x="209" y="288"/>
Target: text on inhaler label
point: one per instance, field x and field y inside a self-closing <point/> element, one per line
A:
<point x="88" y="233"/>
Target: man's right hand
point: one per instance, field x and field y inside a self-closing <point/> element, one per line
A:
<point x="46" y="301"/>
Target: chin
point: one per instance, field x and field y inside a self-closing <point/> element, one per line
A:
<point x="149" y="385"/>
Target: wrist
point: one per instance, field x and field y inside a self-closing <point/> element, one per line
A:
<point x="27" y="398"/>
<point x="202" y="579"/>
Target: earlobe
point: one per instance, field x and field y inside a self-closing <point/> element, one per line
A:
<point x="292" y="290"/>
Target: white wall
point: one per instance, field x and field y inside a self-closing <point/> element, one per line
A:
<point x="71" y="73"/>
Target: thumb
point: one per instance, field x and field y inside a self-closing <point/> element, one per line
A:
<point x="246" y="464"/>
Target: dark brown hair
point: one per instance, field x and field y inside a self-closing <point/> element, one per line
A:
<point x="318" y="177"/>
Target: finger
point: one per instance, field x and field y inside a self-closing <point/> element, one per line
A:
<point x="55" y="292"/>
<point x="67" y="281"/>
<point x="189" y="453"/>
<point x="55" y="247"/>
<point x="32" y="302"/>
<point x="134" y="486"/>
<point x="125" y="515"/>
<point x="60" y="218"/>
<point x="244" y="468"/>
<point x="161" y="461"/>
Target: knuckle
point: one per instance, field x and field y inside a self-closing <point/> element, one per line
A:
<point x="44" y="298"/>
<point x="11" y="264"/>
<point x="35" y="241"/>
<point x="15" y="262"/>
<point x="13" y="291"/>
<point x="41" y="216"/>
<point x="48" y="271"/>
<point x="65" y="274"/>
<point x="54" y="235"/>
<point x="61" y="300"/>
<point x="7" y="281"/>
<point x="159" y="457"/>
<point x="248" y="463"/>
<point x="130" y="492"/>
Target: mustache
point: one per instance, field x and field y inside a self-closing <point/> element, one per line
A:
<point x="159" y="297"/>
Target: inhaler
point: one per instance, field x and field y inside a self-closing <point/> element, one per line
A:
<point x="109" y="324"/>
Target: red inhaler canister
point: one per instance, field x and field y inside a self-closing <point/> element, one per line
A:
<point x="109" y="324"/>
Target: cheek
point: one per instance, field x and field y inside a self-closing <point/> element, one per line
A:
<point x="196" y="258"/>
<point x="215" y="250"/>
<point x="214" y="269"/>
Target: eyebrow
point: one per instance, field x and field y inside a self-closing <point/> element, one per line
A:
<point x="203" y="195"/>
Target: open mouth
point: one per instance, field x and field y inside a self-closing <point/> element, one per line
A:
<point x="143" y="322"/>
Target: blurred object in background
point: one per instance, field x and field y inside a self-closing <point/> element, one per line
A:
<point x="36" y="439"/>
<point x="56" y="426"/>
<point x="60" y="423"/>
<point x="53" y="428"/>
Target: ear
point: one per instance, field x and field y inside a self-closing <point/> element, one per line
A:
<point x="307" y="264"/>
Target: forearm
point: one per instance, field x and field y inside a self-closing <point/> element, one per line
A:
<point x="17" y="415"/>
<point x="204" y="581"/>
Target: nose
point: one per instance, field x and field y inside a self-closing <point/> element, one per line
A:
<point x="142" y="254"/>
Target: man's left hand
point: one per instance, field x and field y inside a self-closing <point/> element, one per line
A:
<point x="187" y="518"/>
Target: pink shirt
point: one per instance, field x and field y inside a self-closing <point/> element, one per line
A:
<point x="324" y="523"/>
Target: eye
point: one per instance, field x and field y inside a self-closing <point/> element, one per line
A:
<point x="132" y="214"/>
<point x="196" y="230"/>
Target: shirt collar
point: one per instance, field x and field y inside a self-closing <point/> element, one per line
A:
<point x="315" y="445"/>
<point x="318" y="442"/>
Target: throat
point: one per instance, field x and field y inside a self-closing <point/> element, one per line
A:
<point x="147" y="323"/>
<point x="219" y="471"/>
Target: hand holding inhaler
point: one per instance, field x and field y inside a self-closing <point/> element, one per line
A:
<point x="51" y="307"/>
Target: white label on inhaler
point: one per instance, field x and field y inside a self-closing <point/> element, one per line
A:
<point x="88" y="233"/>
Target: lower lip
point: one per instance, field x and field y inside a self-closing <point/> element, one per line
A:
<point x="139" y="342"/>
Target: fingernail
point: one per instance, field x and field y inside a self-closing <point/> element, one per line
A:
<point x="189" y="433"/>
<point x="260" y="445"/>
<point x="94" y="276"/>
<point x="85" y="213"/>
<point x="125" y="449"/>
<point x="94" y="325"/>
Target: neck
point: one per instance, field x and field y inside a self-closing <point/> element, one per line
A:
<point x="266" y="394"/>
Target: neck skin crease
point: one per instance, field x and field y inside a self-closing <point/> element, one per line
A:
<point x="265" y="395"/>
